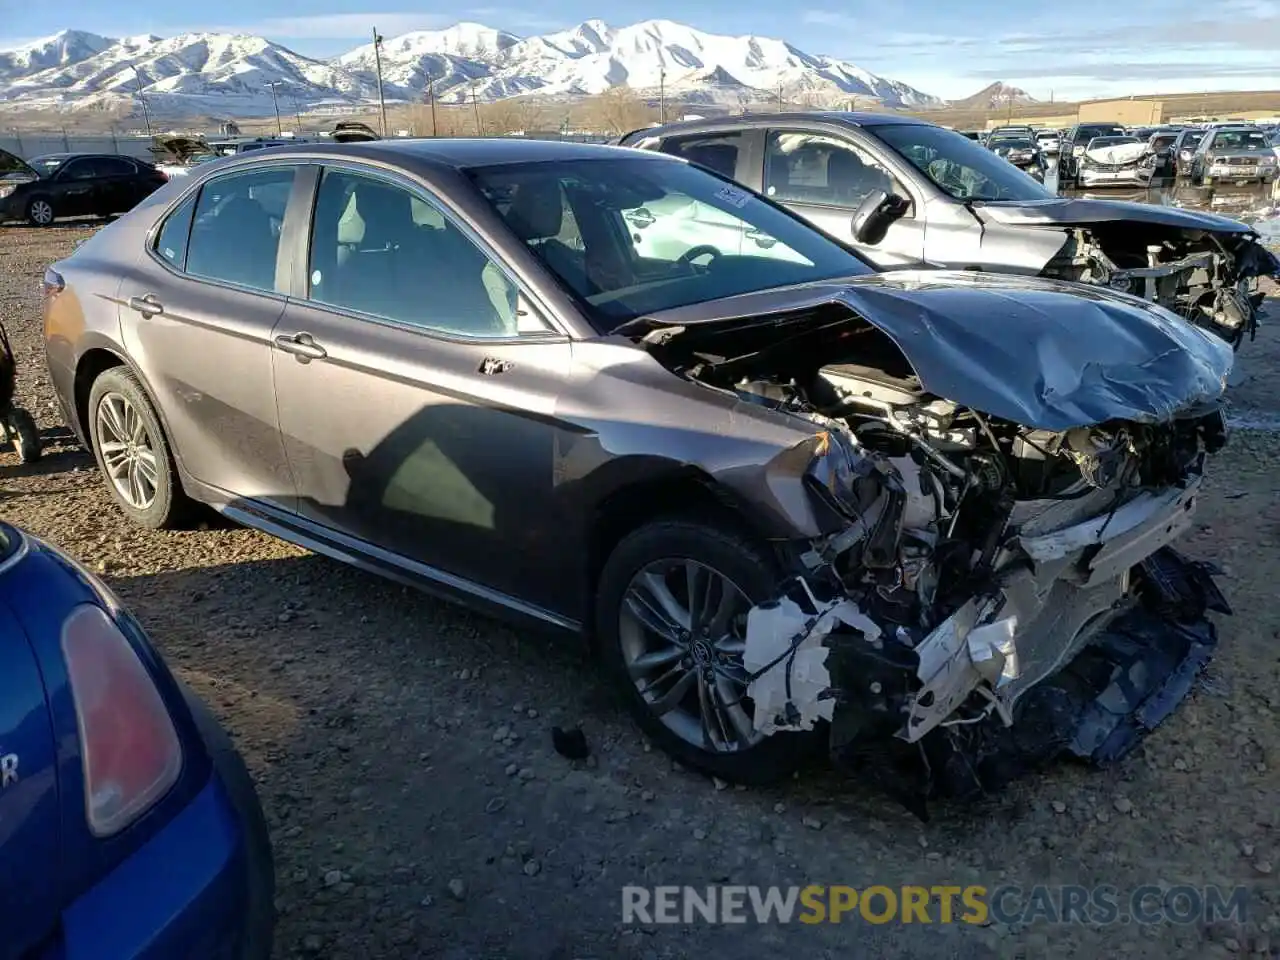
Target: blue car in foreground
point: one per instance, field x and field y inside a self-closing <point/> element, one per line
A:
<point x="129" y="825"/>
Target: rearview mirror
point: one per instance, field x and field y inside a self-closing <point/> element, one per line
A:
<point x="877" y="212"/>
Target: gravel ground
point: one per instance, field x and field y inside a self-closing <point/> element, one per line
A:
<point x="403" y="753"/>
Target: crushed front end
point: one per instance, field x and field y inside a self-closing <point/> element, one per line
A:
<point x="1001" y="596"/>
<point x="1207" y="277"/>
<point x="1002" y="478"/>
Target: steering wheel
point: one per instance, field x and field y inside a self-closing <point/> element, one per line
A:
<point x="693" y="253"/>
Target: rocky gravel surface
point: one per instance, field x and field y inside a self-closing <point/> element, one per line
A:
<point x="403" y="753"/>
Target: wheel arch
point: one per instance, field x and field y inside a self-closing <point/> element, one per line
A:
<point x="92" y="364"/>
<point x="680" y="491"/>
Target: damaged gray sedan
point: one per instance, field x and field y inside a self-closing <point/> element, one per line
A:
<point x="921" y="520"/>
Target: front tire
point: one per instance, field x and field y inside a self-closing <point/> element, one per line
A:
<point x="40" y="212"/>
<point x="670" y="617"/>
<point x="133" y="452"/>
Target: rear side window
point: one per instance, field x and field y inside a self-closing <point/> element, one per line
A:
<point x="171" y="241"/>
<point x="718" y="152"/>
<point x="114" y="167"/>
<point x="235" y="233"/>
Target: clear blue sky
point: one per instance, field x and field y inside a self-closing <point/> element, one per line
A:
<point x="1067" y="48"/>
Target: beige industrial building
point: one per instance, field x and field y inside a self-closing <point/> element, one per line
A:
<point x="1129" y="112"/>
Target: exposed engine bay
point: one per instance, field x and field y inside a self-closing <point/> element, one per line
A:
<point x="993" y="595"/>
<point x="1208" y="278"/>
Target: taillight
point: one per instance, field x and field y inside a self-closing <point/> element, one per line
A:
<point x="129" y="748"/>
<point x="52" y="284"/>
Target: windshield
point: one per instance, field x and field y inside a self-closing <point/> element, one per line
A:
<point x="1239" y="140"/>
<point x="632" y="237"/>
<point x="1111" y="141"/>
<point x="958" y="166"/>
<point x="1009" y="143"/>
<point x="1046" y="136"/>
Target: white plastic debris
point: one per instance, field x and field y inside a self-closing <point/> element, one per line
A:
<point x="772" y="630"/>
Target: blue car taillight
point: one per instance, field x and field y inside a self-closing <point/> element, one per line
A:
<point x="130" y="751"/>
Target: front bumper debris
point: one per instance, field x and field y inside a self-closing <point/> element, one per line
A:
<point x="1097" y="708"/>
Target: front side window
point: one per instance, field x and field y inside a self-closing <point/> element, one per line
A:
<point x="651" y="235"/>
<point x="235" y="233"/>
<point x="83" y="169"/>
<point x="959" y="166"/>
<point x="816" y="168"/>
<point x="379" y="249"/>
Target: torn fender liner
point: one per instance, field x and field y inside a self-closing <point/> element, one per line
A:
<point x="786" y="658"/>
<point x="1121" y="686"/>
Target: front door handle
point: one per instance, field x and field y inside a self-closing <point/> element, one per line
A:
<point x="303" y="346"/>
<point x="147" y="305"/>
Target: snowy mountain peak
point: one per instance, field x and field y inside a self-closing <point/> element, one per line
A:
<point x="62" y="49"/>
<point x="228" y="73"/>
<point x="994" y="96"/>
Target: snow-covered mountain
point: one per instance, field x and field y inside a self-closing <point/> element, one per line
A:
<point x="232" y="73"/>
<point x="60" y="50"/>
<point x="995" y="96"/>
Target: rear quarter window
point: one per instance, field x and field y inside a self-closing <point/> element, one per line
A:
<point x="171" y="241"/>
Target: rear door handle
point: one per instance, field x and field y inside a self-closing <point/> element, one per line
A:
<point x="147" y="305"/>
<point x="303" y="346"/>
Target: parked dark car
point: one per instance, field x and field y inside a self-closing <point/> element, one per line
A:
<point x="1162" y="144"/>
<point x="606" y="391"/>
<point x="1236" y="155"/>
<point x="947" y="201"/>
<point x="1073" y="144"/>
<point x="129" y="825"/>
<point x="73" y="185"/>
<point x="1023" y="152"/>
<point x="1184" y="150"/>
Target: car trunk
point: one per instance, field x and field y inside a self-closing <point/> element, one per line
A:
<point x="30" y="816"/>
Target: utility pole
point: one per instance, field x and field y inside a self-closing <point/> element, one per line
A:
<point x="275" y="102"/>
<point x="779" y="96"/>
<point x="431" y="98"/>
<point x="475" y="105"/>
<point x="377" y="61"/>
<point x="662" y="91"/>
<point x="146" y="115"/>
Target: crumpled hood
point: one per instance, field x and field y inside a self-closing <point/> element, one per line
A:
<point x="1042" y="353"/>
<point x="1082" y="211"/>
<point x="1119" y="154"/>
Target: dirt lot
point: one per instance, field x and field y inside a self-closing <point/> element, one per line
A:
<point x="404" y="758"/>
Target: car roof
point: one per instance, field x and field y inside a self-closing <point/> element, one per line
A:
<point x="459" y="153"/>
<point x="851" y="118"/>
<point x="81" y="156"/>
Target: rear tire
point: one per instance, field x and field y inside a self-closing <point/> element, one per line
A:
<point x="160" y="503"/>
<point x="742" y="563"/>
<point x="260" y="914"/>
<point x="24" y="435"/>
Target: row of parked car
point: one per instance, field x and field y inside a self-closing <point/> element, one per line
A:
<point x="654" y="397"/>
<point x="1108" y="154"/>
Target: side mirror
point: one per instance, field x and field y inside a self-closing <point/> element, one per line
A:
<point x="876" y="214"/>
